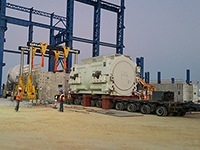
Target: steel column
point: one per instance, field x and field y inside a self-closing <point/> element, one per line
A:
<point x="172" y="80"/>
<point x="51" y="42"/>
<point x="3" y="28"/>
<point x="159" y="77"/>
<point x="140" y="63"/>
<point x="120" y="29"/>
<point x="188" y="76"/>
<point x="30" y="32"/>
<point x="22" y="62"/>
<point x="69" y="28"/>
<point x="96" y="29"/>
<point x="147" y="77"/>
<point x="30" y="61"/>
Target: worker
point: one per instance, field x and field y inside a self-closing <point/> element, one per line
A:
<point x="7" y="93"/>
<point x="18" y="98"/>
<point x="69" y="98"/>
<point x="62" y="99"/>
<point x="36" y="92"/>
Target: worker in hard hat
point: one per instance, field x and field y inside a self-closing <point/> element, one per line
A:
<point x="69" y="98"/>
<point x="62" y="99"/>
<point x="18" y="98"/>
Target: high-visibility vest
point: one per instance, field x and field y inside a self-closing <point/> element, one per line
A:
<point x="62" y="97"/>
<point x="69" y="96"/>
<point x="19" y="96"/>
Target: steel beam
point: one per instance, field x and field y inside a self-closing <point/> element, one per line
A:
<point x="104" y="5"/>
<point x="26" y="23"/>
<point x="96" y="28"/>
<point x="3" y="28"/>
<point x="37" y="12"/>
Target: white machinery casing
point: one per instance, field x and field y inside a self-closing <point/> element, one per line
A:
<point x="112" y="74"/>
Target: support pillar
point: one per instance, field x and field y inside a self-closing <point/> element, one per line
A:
<point x="86" y="100"/>
<point x="159" y="77"/>
<point x="30" y="33"/>
<point x="105" y="102"/>
<point x="140" y="63"/>
<point x="3" y="28"/>
<point x="188" y="76"/>
<point x="96" y="29"/>
<point x="120" y="29"/>
<point x="69" y="28"/>
<point x="51" y="57"/>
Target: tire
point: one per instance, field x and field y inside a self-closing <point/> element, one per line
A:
<point x="161" y="111"/>
<point x="81" y="102"/>
<point x="131" y="107"/>
<point x="145" y="109"/>
<point x="99" y="104"/>
<point x="119" y="106"/>
<point x="181" y="113"/>
<point x="76" y="101"/>
<point x="92" y="103"/>
<point x="111" y="105"/>
<point x="174" y="114"/>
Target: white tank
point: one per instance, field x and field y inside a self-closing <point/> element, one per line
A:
<point x="13" y="74"/>
<point x="107" y="74"/>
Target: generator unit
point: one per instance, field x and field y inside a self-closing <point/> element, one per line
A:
<point x="112" y="74"/>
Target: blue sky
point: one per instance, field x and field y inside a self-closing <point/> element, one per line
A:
<point x="165" y="32"/>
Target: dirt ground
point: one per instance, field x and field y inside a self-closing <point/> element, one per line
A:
<point x="44" y="128"/>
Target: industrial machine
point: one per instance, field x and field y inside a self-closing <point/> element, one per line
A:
<point x="113" y="74"/>
<point x="112" y="81"/>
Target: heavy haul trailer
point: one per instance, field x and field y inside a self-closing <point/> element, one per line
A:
<point x="110" y="81"/>
<point x="132" y="104"/>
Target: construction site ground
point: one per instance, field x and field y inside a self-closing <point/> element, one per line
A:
<point x="80" y="128"/>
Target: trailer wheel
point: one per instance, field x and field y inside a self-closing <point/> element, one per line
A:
<point x="76" y="102"/>
<point x="183" y="113"/>
<point x="81" y="102"/>
<point x="145" y="109"/>
<point x="174" y="114"/>
<point x="99" y="104"/>
<point x="92" y="103"/>
<point x="131" y="107"/>
<point x="161" y="111"/>
<point x="111" y="104"/>
<point x="119" y="106"/>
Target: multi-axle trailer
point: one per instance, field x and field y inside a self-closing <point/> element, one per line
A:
<point x="162" y="106"/>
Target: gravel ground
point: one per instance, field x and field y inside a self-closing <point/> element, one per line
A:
<point x="78" y="128"/>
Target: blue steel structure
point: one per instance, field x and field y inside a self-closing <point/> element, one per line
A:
<point x="159" y="77"/>
<point x="147" y="77"/>
<point x="65" y="34"/>
<point x="172" y="80"/>
<point x="140" y="63"/>
<point x="188" y="76"/>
